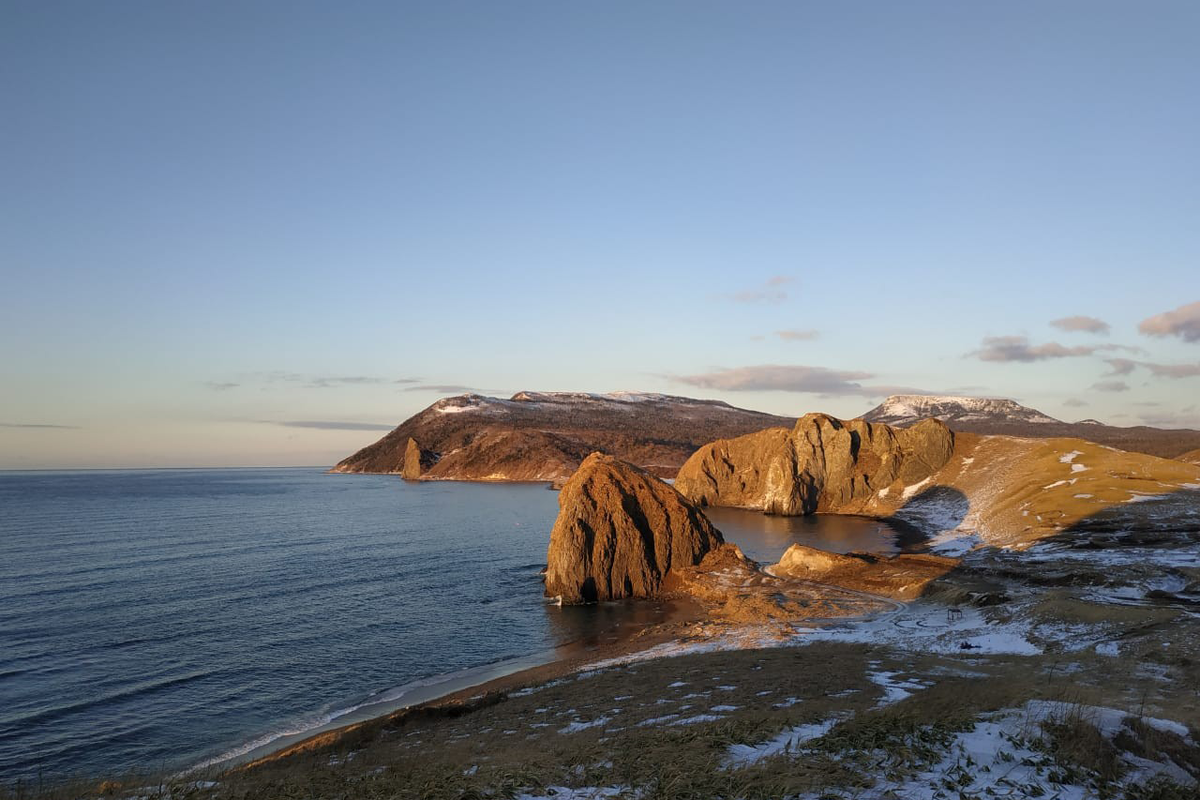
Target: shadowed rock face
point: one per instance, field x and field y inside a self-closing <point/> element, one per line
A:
<point x="619" y="531"/>
<point x="822" y="464"/>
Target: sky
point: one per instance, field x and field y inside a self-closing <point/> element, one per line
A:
<point x="264" y="233"/>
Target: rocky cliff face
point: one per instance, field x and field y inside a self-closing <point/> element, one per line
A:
<point x="619" y="531"/>
<point x="541" y="436"/>
<point x="823" y="464"/>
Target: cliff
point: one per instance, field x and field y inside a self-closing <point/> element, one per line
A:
<point x="536" y="436"/>
<point x="822" y="464"/>
<point x="619" y="531"/>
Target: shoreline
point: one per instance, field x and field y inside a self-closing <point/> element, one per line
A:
<point x="444" y="689"/>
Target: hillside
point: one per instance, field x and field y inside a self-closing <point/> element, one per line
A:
<point x="988" y="415"/>
<point x="543" y="436"/>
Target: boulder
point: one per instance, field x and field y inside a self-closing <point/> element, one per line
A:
<point x="822" y="464"/>
<point x="619" y="531"/>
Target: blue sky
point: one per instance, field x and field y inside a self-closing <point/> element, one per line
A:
<point x="223" y="219"/>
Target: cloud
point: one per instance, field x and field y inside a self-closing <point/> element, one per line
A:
<point x="797" y="335"/>
<point x="320" y="381"/>
<point x="787" y="378"/>
<point x="1183" y="322"/>
<point x="1111" y="386"/>
<point x="1081" y="323"/>
<point x="1074" y="402"/>
<point x="1018" y="348"/>
<point x="350" y="380"/>
<point x="441" y="388"/>
<point x="1172" y="370"/>
<point x="770" y="292"/>
<point x="217" y="386"/>
<point x="34" y="425"/>
<point x="1125" y="366"/>
<point x="325" y="425"/>
<point x="1121" y="366"/>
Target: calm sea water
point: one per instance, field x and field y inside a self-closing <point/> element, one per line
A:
<point x="158" y="619"/>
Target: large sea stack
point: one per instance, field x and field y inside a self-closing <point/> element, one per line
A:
<point x="822" y="464"/>
<point x="619" y="531"/>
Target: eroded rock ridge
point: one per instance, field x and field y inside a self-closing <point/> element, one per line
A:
<point x="823" y="464"/>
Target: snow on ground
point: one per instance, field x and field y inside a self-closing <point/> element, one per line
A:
<point x="576" y="727"/>
<point x="926" y="627"/>
<point x="567" y="793"/>
<point x="1000" y="756"/>
<point x="1067" y="458"/>
<point x="894" y="690"/>
<point x="910" y="491"/>
<point x="787" y="741"/>
<point x="1158" y="557"/>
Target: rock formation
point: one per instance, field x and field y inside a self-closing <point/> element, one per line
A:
<point x="821" y="465"/>
<point x="416" y="461"/>
<point x="619" y="531"/>
<point x="902" y="577"/>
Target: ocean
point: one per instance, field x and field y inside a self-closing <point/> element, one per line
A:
<point x="160" y="619"/>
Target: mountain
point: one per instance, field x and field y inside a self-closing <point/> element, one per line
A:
<point x="905" y="409"/>
<point x="991" y="415"/>
<point x="544" y="436"/>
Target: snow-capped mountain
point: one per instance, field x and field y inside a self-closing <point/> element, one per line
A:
<point x="905" y="409"/>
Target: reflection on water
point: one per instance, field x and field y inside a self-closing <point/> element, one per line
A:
<point x="604" y="623"/>
<point x="764" y="538"/>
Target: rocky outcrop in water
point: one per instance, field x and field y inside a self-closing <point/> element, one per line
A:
<point x="416" y="461"/>
<point x="821" y="465"/>
<point x="619" y="531"/>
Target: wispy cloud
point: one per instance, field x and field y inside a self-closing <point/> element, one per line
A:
<point x="1125" y="366"/>
<point x="798" y="335"/>
<point x="1019" y="349"/>
<point x="218" y="386"/>
<point x="772" y="291"/>
<point x="1074" y="402"/>
<point x="347" y="380"/>
<point x="1081" y="323"/>
<point x="1183" y="322"/>
<point x="792" y="378"/>
<point x="333" y="425"/>
<point x="1111" y="386"/>
<point x="308" y="381"/>
<point x="441" y="388"/>
<point x="38" y="425"/>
